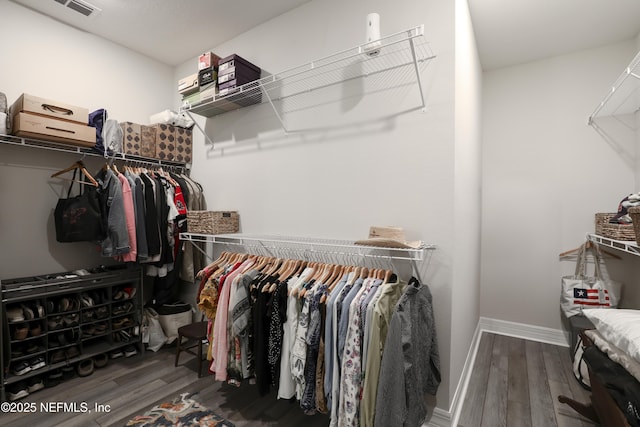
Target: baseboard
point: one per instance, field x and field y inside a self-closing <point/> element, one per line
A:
<point x="443" y="418"/>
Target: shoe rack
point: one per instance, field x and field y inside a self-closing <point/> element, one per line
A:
<point x="54" y="322"/>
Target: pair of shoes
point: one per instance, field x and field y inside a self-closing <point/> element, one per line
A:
<point x="53" y="379"/>
<point x="20" y="331"/>
<point x="86" y="300"/>
<point x="33" y="347"/>
<point x="15" y="314"/>
<point x="129" y="292"/>
<point x="57" y="357"/>
<point x="85" y="367"/>
<point x="28" y="313"/>
<point x="35" y="330"/>
<point x="37" y="363"/>
<point x="123" y="308"/>
<point x="72" y="352"/>
<point x="116" y="353"/>
<point x="21" y="368"/>
<point x="102" y="312"/>
<point x="17" y="391"/>
<point x="34" y="384"/>
<point x="55" y="323"/>
<point x="71" y="320"/>
<point x="130" y="351"/>
<point x="100" y="360"/>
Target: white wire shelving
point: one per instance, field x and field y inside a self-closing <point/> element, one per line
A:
<point x="621" y="245"/>
<point x="399" y="60"/>
<point x="308" y="248"/>
<point x="622" y="100"/>
<point x="85" y="151"/>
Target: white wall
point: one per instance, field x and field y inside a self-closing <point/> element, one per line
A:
<point x="545" y="174"/>
<point x="45" y="58"/>
<point x="336" y="182"/>
<point x="467" y="210"/>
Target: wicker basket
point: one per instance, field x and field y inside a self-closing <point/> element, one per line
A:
<point x="213" y="222"/>
<point x="613" y="231"/>
<point x="634" y="213"/>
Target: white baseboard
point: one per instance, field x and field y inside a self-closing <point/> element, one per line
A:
<point x="443" y="418"/>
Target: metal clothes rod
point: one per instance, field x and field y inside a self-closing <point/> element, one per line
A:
<point x="305" y="247"/>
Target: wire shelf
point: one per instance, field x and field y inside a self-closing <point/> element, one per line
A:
<point x="306" y="247"/>
<point x="623" y="98"/>
<point x="621" y="245"/>
<point x="85" y="151"/>
<point x="398" y="61"/>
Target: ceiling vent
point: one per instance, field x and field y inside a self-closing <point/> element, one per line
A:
<point x="80" y="6"/>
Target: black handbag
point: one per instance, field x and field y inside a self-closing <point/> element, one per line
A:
<point x="79" y="218"/>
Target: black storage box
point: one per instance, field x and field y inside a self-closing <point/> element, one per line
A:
<point x="207" y="76"/>
<point x="233" y="63"/>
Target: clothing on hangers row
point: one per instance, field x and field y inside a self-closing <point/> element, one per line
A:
<point x="312" y="330"/>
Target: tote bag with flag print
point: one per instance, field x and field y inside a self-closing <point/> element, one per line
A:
<point x="582" y="291"/>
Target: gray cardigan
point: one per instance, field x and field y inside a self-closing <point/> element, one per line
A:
<point x="410" y="361"/>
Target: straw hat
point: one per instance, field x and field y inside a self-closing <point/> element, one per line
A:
<point x="388" y="237"/>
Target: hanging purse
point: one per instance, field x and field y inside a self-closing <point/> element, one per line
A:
<point x="582" y="291"/>
<point x="79" y="218"/>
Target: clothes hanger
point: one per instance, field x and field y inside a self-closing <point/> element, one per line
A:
<point x="588" y="245"/>
<point x="79" y="165"/>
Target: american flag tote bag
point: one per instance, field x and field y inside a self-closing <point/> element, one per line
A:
<point x="584" y="291"/>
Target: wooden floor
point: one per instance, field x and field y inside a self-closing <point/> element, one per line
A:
<point x="516" y="383"/>
<point x="134" y="385"/>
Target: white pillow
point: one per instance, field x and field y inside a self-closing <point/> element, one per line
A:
<point x="621" y="327"/>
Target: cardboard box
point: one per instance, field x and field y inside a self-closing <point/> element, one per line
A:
<point x="165" y="142"/>
<point x="34" y="105"/>
<point x="237" y="63"/>
<point x="207" y="76"/>
<point x="36" y="126"/>
<point x="183" y="145"/>
<point x="147" y="141"/>
<point x="131" y="138"/>
<point x="208" y="60"/>
<point x="188" y="85"/>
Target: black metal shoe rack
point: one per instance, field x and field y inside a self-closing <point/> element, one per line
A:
<point x="72" y="327"/>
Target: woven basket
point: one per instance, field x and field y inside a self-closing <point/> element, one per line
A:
<point x="613" y="231"/>
<point x="213" y="222"/>
<point x="634" y="213"/>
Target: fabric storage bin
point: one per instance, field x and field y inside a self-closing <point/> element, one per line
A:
<point x="613" y="231"/>
<point x="131" y="136"/>
<point x="147" y="141"/>
<point x="183" y="145"/>
<point x="165" y="142"/>
<point x="213" y="222"/>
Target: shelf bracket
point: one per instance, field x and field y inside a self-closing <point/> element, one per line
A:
<point x="209" y="140"/>
<point x="417" y="69"/>
<point x="275" y="110"/>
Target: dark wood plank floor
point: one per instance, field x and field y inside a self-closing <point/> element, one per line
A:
<point x="134" y="385"/>
<point x="516" y="383"/>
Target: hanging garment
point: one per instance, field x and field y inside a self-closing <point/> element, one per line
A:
<point x="410" y="363"/>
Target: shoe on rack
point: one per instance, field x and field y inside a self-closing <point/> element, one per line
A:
<point x="33" y="347"/>
<point x="68" y="372"/>
<point x="38" y="309"/>
<point x="58" y="356"/>
<point x="100" y="328"/>
<point x="34" y="384"/>
<point x="100" y="360"/>
<point x="53" y="379"/>
<point x="70" y="320"/>
<point x="102" y="312"/>
<point x="55" y="323"/>
<point x="63" y="304"/>
<point x="20" y="331"/>
<point x="35" y="330"/>
<point x="17" y="350"/>
<point x="117" y="323"/>
<point x="119" y="295"/>
<point x="130" y="351"/>
<point x="85" y="367"/>
<point x="37" y="363"/>
<point x="116" y="353"/>
<point x="21" y="368"/>
<point x="28" y="313"/>
<point x="15" y="314"/>
<point x="72" y="352"/>
<point x="17" y="391"/>
<point x="86" y="300"/>
<point x="129" y="292"/>
<point x="88" y="315"/>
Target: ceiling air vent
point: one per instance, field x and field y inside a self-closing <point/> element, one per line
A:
<point x="80" y="6"/>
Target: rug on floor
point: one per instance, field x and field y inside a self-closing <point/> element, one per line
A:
<point x="182" y="411"/>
